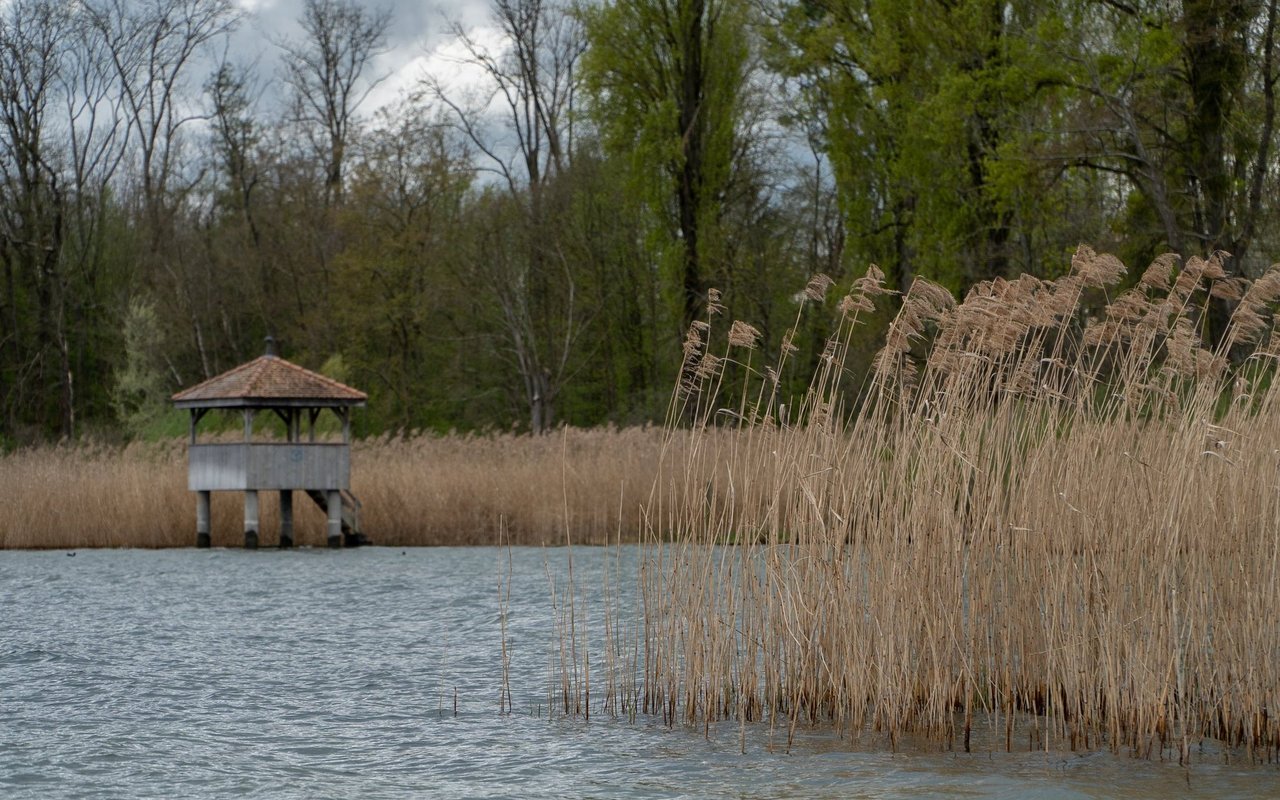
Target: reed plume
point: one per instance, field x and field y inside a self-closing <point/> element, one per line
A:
<point x="1042" y="514"/>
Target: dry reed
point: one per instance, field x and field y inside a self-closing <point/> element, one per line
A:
<point x="1059" y="523"/>
<point x="421" y="490"/>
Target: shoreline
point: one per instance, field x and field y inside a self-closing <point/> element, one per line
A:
<point x="419" y="491"/>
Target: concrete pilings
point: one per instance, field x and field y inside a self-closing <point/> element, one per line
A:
<point x="330" y="501"/>
<point x="251" y="520"/>
<point x="202" y="519"/>
<point x="333" y="504"/>
<point x="286" y="519"/>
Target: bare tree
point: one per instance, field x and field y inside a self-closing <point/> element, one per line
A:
<point x="532" y="82"/>
<point x="325" y="70"/>
<point x="61" y="141"/>
<point x="32" y="202"/>
<point x="97" y="121"/>
<point x="532" y="85"/>
<point x="95" y="145"/>
<point x="235" y="137"/>
<point x="152" y="44"/>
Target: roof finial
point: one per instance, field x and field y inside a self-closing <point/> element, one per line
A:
<point x="271" y="345"/>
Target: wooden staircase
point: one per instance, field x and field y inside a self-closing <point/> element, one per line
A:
<point x="352" y="536"/>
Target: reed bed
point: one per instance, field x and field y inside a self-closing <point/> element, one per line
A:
<point x="1050" y="510"/>
<point x="574" y="486"/>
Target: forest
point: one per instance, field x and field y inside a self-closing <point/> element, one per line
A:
<point x="528" y="250"/>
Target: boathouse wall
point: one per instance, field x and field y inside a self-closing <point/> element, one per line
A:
<point x="241" y="466"/>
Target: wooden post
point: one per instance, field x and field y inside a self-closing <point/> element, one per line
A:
<point x="251" y="519"/>
<point x="197" y="414"/>
<point x="334" y="507"/>
<point x="202" y="519"/>
<point x="286" y="519"/>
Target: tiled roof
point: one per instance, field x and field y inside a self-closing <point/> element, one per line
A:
<point x="267" y="379"/>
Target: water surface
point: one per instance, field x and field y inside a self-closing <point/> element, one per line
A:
<point x="377" y="673"/>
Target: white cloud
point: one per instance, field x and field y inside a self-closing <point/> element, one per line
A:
<point x="253" y="6"/>
<point x="440" y="57"/>
<point x="418" y="45"/>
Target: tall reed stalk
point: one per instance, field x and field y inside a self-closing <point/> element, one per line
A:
<point x="1030" y="516"/>
<point x="457" y="489"/>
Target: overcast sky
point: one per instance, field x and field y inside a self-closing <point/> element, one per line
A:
<point x="417" y="42"/>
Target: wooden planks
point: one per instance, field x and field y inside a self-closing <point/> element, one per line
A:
<point x="261" y="466"/>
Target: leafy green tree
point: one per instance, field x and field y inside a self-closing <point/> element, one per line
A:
<point x="925" y="110"/>
<point x="666" y="81"/>
<point x="399" y="315"/>
<point x="140" y="393"/>
<point x="1179" y="101"/>
<point x="622" y="369"/>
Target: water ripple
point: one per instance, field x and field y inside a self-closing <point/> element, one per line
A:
<point x="310" y="674"/>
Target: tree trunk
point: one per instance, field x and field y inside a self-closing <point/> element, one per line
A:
<point x="689" y="191"/>
<point x="1214" y="52"/>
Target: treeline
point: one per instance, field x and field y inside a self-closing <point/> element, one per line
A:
<point x="532" y="252"/>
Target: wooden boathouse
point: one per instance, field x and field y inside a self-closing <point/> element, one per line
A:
<point x="322" y="470"/>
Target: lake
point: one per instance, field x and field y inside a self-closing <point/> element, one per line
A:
<point x="377" y="673"/>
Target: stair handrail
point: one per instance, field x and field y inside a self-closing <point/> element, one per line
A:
<point x="356" y="506"/>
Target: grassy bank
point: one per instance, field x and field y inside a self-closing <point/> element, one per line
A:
<point x="1054" y="511"/>
<point x="427" y="490"/>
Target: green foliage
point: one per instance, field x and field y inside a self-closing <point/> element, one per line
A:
<point x="139" y="395"/>
<point x="699" y="144"/>
<point x="170" y="423"/>
<point x="666" y="81"/>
